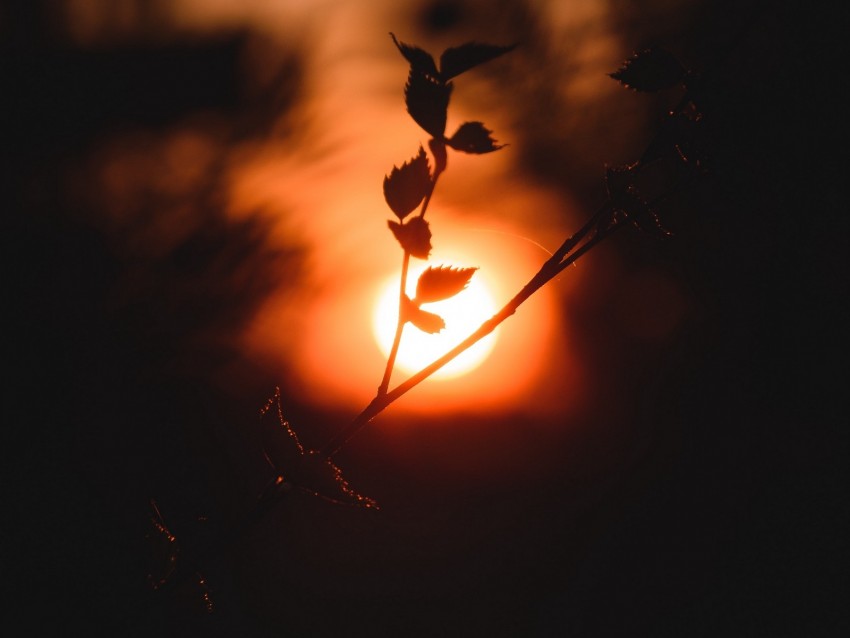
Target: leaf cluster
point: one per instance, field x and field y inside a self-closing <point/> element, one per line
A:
<point x="427" y="93"/>
<point x="429" y="89"/>
<point x="681" y="138"/>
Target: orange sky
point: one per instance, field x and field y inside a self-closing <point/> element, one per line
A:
<point x="319" y="184"/>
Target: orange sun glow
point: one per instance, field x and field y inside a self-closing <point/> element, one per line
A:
<point x="462" y="313"/>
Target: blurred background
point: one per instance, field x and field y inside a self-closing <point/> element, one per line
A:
<point x="193" y="217"/>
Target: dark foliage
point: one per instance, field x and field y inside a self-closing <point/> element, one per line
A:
<point x="426" y="321"/>
<point x="406" y="187"/>
<point x="473" y="137"/>
<point x="414" y="236"/>
<point x="650" y="70"/>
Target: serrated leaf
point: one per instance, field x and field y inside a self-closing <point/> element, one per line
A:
<point x="406" y="187"/>
<point x="427" y="101"/>
<point x="442" y="282"/>
<point x="650" y="70"/>
<point x="420" y="60"/>
<point x="414" y="236"/>
<point x="422" y="319"/>
<point x="473" y="137"/>
<point x="457" y="60"/>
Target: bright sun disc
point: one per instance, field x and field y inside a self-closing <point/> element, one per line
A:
<point x="462" y="313"/>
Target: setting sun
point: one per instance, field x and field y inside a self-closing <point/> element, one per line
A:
<point x="462" y="313"/>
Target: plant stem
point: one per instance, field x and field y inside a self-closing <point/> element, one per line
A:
<point x="567" y="253"/>
<point x="385" y="382"/>
<point x="550" y="269"/>
<point x="405" y="264"/>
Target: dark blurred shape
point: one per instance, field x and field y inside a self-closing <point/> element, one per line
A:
<point x="63" y="97"/>
<point x="442" y="15"/>
<point x="650" y="70"/>
<point x="125" y="315"/>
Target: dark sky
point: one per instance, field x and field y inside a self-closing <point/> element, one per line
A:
<point x="709" y="502"/>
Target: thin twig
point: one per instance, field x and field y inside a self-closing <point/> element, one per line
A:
<point x="550" y="269"/>
<point x="388" y="371"/>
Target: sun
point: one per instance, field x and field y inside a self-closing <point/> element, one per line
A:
<point x="462" y="313"/>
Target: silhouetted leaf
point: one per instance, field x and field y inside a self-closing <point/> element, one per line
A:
<point x="422" y="319"/>
<point x="456" y="60"/>
<point x="427" y="101"/>
<point x="436" y="284"/>
<point x="420" y="60"/>
<point x="405" y="187"/>
<point x="472" y="137"/>
<point x="650" y="70"/>
<point x="414" y="236"/>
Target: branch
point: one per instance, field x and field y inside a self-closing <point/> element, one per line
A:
<point x="548" y="271"/>
<point x="388" y="371"/>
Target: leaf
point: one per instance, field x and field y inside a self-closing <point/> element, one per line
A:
<point x="472" y="137"/>
<point x="427" y="101"/>
<point x="650" y="70"/>
<point x="414" y="236"/>
<point x="405" y="187"/>
<point x="443" y="282"/>
<point x="422" y="319"/>
<point x="420" y="60"/>
<point x="456" y="60"/>
<point x="426" y="321"/>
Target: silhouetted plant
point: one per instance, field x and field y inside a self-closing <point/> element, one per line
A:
<point x="427" y="94"/>
<point x="676" y="148"/>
